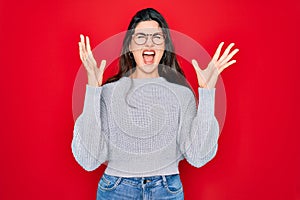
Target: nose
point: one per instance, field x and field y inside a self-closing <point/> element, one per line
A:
<point x="149" y="42"/>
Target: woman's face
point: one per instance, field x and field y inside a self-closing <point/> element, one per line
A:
<point x="147" y="45"/>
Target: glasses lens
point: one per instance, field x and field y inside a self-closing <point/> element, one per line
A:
<point x="158" y="38"/>
<point x="140" y="38"/>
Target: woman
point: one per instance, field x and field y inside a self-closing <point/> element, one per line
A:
<point x="140" y="123"/>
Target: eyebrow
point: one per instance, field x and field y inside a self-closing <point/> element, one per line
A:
<point x="148" y="33"/>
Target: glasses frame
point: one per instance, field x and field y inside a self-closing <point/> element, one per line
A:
<point x="147" y="35"/>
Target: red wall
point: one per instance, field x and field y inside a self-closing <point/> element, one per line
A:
<point x="258" y="155"/>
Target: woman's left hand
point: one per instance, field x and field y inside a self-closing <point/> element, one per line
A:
<point x="208" y="77"/>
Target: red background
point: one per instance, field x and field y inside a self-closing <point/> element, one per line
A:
<point x="258" y="155"/>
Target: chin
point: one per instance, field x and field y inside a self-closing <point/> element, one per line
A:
<point x="149" y="68"/>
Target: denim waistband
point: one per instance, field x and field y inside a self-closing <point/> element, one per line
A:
<point x="150" y="180"/>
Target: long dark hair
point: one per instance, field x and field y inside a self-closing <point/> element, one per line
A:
<point x="169" y="60"/>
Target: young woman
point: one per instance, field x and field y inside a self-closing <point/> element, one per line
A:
<point x="142" y="123"/>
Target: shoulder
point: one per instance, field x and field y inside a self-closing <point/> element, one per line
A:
<point x="107" y="89"/>
<point x="115" y="87"/>
<point x="181" y="91"/>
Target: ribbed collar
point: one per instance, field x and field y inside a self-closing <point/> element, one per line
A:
<point x="145" y="80"/>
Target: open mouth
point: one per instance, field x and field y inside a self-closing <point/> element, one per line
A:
<point x="148" y="56"/>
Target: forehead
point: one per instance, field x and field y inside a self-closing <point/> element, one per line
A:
<point x="147" y="27"/>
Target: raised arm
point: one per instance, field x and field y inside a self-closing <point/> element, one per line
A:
<point x="199" y="129"/>
<point x="89" y="146"/>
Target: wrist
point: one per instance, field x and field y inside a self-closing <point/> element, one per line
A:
<point x="92" y="80"/>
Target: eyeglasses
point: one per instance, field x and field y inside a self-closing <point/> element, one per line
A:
<point x="142" y="38"/>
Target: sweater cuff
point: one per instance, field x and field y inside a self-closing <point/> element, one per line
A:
<point x="206" y="100"/>
<point x="92" y="96"/>
<point x="211" y="91"/>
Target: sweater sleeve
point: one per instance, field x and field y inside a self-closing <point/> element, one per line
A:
<point x="200" y="129"/>
<point x="89" y="145"/>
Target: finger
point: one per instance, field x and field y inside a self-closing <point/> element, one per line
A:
<point x="229" y="57"/>
<point x="102" y="65"/>
<point x="196" y="66"/>
<point x="82" y="43"/>
<point x="80" y="52"/>
<point x="88" y="46"/>
<point x="217" y="53"/>
<point x="226" y="65"/>
<point x="81" y="38"/>
<point x="201" y="80"/>
<point x="226" y="52"/>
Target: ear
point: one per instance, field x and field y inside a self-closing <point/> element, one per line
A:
<point x="130" y="49"/>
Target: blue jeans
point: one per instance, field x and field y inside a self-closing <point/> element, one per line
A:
<point x="140" y="188"/>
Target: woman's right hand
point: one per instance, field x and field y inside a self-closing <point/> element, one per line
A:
<point x="94" y="73"/>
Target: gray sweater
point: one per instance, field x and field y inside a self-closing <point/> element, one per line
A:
<point x="144" y="127"/>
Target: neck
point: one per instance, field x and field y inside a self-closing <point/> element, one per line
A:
<point x="138" y="74"/>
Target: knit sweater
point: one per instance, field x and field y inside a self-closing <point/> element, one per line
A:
<point x="144" y="127"/>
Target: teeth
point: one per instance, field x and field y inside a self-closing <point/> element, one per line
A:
<point x="149" y="53"/>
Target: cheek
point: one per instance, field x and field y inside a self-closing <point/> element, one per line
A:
<point x="161" y="48"/>
<point x="136" y="51"/>
<point x="160" y="52"/>
<point x="138" y="57"/>
<point x="134" y="47"/>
